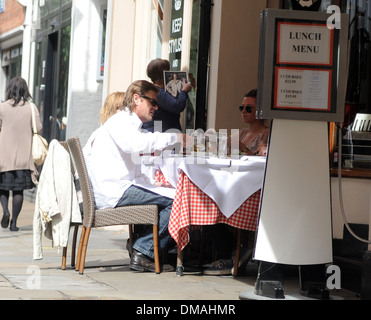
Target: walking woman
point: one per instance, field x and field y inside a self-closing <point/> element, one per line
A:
<point x="17" y="170"/>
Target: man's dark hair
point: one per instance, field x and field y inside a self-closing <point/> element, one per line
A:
<point x="252" y="94"/>
<point x="155" y="70"/>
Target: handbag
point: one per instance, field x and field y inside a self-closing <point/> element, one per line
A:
<point x="39" y="148"/>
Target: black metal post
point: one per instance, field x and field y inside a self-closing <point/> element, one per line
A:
<point x="203" y="61"/>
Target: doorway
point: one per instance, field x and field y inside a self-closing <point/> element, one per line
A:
<point x="51" y="88"/>
<point x="56" y="85"/>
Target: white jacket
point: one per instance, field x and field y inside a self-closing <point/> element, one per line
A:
<point x="56" y="204"/>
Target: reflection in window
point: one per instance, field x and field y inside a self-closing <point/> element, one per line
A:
<point x="174" y="44"/>
<point x="63" y="83"/>
<point x="193" y="64"/>
<point x="156" y="29"/>
<point x="53" y="4"/>
<point x="39" y="91"/>
<point x="103" y="43"/>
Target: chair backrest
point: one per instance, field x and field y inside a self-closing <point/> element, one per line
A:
<point x="85" y="184"/>
<point x="65" y="145"/>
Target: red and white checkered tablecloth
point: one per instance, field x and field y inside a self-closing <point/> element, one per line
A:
<point x="193" y="207"/>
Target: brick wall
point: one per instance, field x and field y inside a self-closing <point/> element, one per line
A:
<point x="12" y="17"/>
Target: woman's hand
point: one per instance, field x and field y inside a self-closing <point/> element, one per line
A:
<point x="163" y="184"/>
<point x="245" y="150"/>
<point x="262" y="150"/>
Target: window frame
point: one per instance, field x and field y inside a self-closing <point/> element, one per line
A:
<point x="101" y="48"/>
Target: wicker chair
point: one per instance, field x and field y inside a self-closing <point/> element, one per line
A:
<point x="74" y="225"/>
<point x="94" y="218"/>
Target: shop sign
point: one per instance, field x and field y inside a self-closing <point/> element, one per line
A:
<point x="176" y="34"/>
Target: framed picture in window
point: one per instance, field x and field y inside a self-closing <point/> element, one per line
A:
<point x="174" y="81"/>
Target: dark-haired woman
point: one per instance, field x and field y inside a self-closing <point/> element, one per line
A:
<point x="170" y="108"/>
<point x="17" y="170"/>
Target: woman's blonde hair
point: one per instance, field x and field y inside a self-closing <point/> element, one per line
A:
<point x="114" y="102"/>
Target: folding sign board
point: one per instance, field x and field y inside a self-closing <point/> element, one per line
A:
<point x="302" y="66"/>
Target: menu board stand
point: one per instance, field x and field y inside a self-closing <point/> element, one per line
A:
<point x="301" y="88"/>
<point x="295" y="226"/>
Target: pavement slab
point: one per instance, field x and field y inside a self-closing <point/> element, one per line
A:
<point x="107" y="274"/>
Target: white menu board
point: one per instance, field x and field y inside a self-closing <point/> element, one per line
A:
<point x="302" y="66"/>
<point x="304" y="89"/>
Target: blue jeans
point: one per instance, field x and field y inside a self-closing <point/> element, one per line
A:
<point x="139" y="196"/>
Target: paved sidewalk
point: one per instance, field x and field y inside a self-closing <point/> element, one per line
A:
<point x="107" y="275"/>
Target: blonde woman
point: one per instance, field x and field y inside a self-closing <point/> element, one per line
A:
<point x="113" y="104"/>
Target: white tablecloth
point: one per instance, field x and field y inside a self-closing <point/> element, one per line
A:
<point x="228" y="182"/>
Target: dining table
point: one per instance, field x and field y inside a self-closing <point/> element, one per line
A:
<point x="208" y="191"/>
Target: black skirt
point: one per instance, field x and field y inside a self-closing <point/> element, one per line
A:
<point x="16" y="180"/>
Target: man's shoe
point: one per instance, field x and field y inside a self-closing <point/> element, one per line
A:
<point x="140" y="262"/>
<point x="221" y="267"/>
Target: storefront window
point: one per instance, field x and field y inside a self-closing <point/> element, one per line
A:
<point x="63" y="83"/>
<point x="53" y="4"/>
<point x="356" y="131"/>
<point x="193" y="64"/>
<point x="170" y="39"/>
<point x="350" y="141"/>
<point x="156" y="29"/>
<point x="103" y="44"/>
<point x="12" y="62"/>
<point x="39" y="91"/>
<point x="50" y="6"/>
<point x="52" y="66"/>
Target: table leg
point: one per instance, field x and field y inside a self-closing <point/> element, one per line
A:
<point x="237" y="257"/>
<point x="201" y="258"/>
<point x="179" y="263"/>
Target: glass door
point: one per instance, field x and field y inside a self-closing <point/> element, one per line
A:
<point x="52" y="68"/>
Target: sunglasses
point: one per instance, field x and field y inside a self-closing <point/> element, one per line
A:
<point x="247" y="108"/>
<point x="153" y="102"/>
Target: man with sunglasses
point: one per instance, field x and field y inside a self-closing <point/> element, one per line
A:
<point x="254" y="138"/>
<point x="114" y="167"/>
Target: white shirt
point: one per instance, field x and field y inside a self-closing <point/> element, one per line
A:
<point x="113" y="157"/>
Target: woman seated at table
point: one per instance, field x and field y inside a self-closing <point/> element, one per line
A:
<point x="112" y="105"/>
<point x="253" y="140"/>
